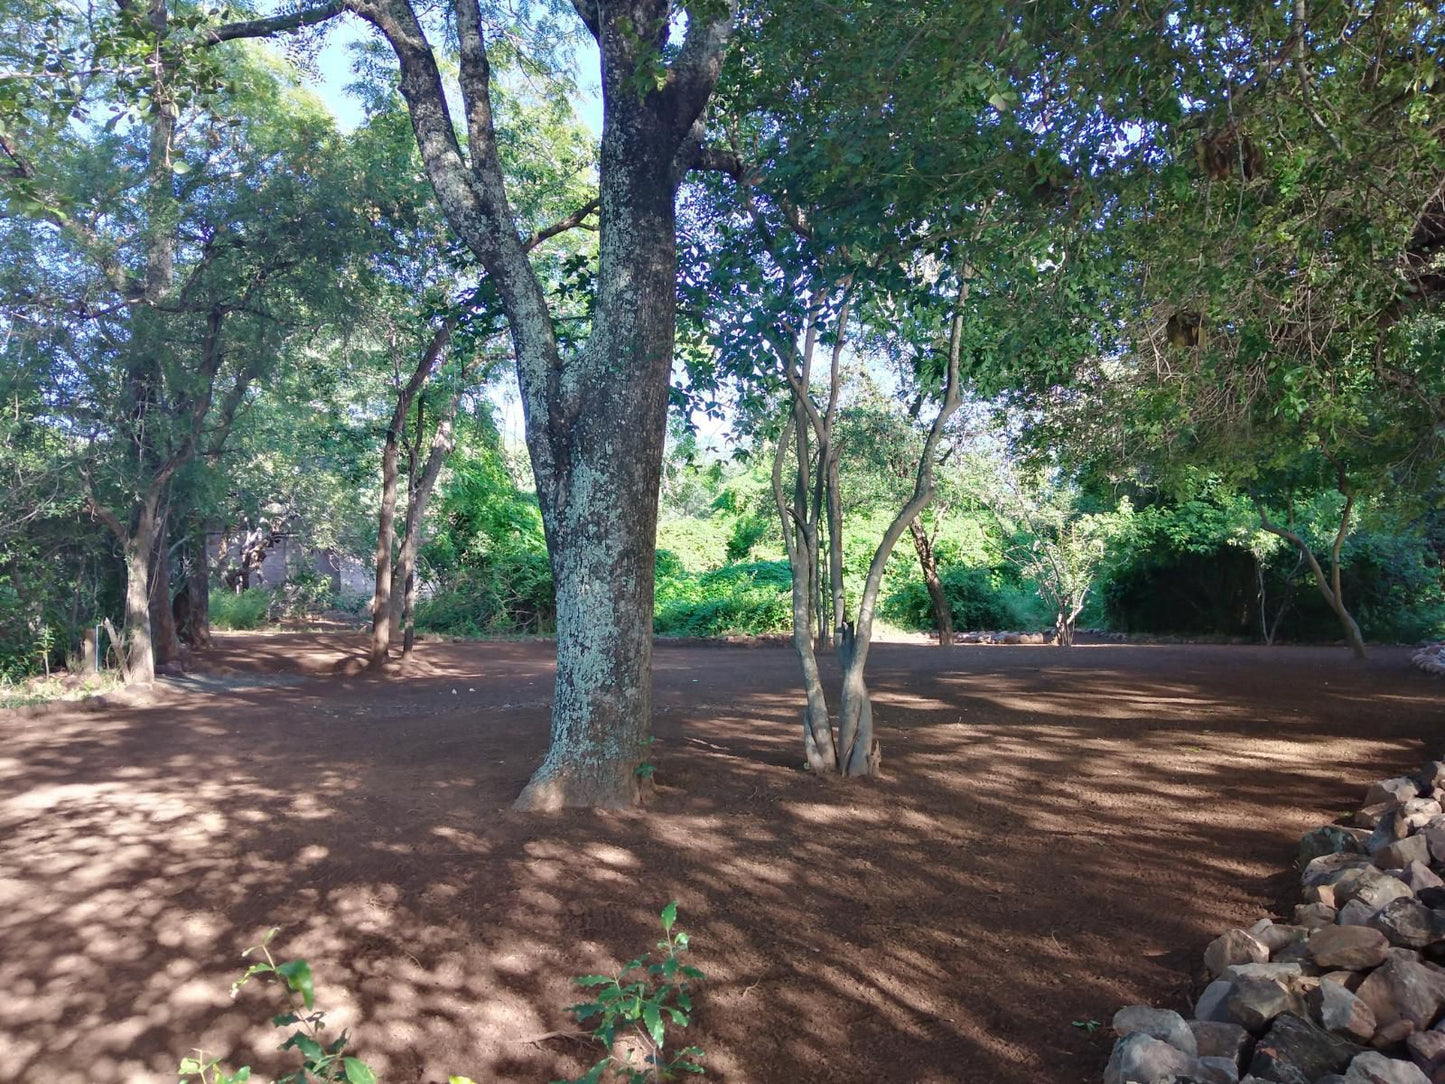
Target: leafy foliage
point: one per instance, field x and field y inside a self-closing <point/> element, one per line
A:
<point x="634" y="1010"/>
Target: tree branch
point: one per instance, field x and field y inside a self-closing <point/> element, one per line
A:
<point x="275" y="24"/>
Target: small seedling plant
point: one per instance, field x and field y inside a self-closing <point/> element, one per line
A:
<point x="634" y="1009"/>
<point x="321" y="1062"/>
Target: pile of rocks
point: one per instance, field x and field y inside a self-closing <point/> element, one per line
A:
<point x="1352" y="991"/>
<point x="1430" y="658"/>
<point x="1003" y="638"/>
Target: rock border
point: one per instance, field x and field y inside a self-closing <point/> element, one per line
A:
<point x="1430" y="658"/>
<point x="1352" y="991"/>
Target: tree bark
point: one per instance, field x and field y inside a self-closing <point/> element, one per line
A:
<point x="165" y="640"/>
<point x="818" y="747"/>
<point x="139" y="545"/>
<point x="419" y="496"/>
<point x="928" y="563"/>
<point x="385" y="537"/>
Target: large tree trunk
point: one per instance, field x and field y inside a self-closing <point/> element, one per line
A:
<point x="164" y="638"/>
<point x="139" y="546"/>
<point x="928" y="562"/>
<point x="192" y="605"/>
<point x="598" y="488"/>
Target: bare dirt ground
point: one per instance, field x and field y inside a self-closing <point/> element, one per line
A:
<point x="1057" y="833"/>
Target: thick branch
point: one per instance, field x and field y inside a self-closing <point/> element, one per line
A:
<point x="276" y="24"/>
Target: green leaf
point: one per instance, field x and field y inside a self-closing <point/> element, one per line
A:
<point x="669" y="916"/>
<point x="653" y="1019"/>
<point x="297" y="974"/>
<point x="592" y="980"/>
<point x="358" y="1072"/>
<point x="308" y="1046"/>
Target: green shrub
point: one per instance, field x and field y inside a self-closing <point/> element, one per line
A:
<point x="748" y="600"/>
<point x="506" y="591"/>
<point x="243" y="610"/>
<point x="979" y="598"/>
<point x="634" y="1011"/>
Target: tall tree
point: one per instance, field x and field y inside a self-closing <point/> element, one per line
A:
<point x="596" y="415"/>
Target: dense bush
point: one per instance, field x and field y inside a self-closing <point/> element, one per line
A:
<point x="744" y="599"/>
<point x="980" y="598"/>
<point x="239" y="610"/>
<point x="504" y="591"/>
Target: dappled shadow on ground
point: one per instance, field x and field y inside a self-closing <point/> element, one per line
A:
<point x="1056" y="833"/>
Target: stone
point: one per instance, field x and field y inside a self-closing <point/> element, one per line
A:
<point x="1408" y="923"/>
<point x="1353" y="948"/>
<point x="1294" y="1051"/>
<point x="1431" y="777"/>
<point x="1286" y="972"/>
<point x="1277" y="936"/>
<point x="1418" y="812"/>
<point x="1255" y="1001"/>
<point x="1327" y="868"/>
<point x="1331" y="839"/>
<point x="1432" y="897"/>
<point x="1164" y="1024"/>
<point x="1220" y="1070"/>
<point x="1371" y="814"/>
<point x="1355" y="913"/>
<point x="1405" y="996"/>
<point x="1402" y="852"/>
<point x="1233" y="947"/>
<point x="1434" y="835"/>
<point x="1213" y="1003"/>
<point x="1427" y="1050"/>
<point x="1296" y="953"/>
<point x="1372" y="888"/>
<point x="1340" y="1012"/>
<point x="1314" y="916"/>
<point x="1221" y="1039"/>
<point x="1372" y="1067"/>
<point x="1143" y="1059"/>
<point x="1399" y="790"/>
<point x="1418" y="876"/>
<point x="1350" y="980"/>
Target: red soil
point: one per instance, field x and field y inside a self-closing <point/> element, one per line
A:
<point x="1056" y="833"/>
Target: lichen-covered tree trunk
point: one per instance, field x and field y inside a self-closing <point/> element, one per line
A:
<point x="139" y="546"/>
<point x="928" y="563"/>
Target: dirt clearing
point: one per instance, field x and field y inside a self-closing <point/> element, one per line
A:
<point x="1056" y="833"/>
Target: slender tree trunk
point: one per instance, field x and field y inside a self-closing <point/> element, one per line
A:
<point x="385" y="536"/>
<point x="1329" y="585"/>
<point x="408" y="616"/>
<point x="928" y="562"/>
<point x="420" y="491"/>
<point x="818" y="745"/>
